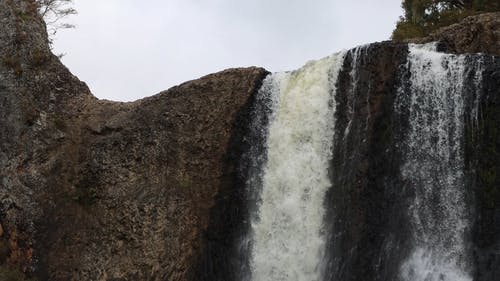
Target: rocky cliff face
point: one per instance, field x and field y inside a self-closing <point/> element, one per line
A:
<point x="474" y="34"/>
<point x="100" y="190"/>
<point x="153" y="189"/>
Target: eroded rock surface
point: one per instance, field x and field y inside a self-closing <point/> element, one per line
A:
<point x="474" y="34"/>
<point x="100" y="190"/>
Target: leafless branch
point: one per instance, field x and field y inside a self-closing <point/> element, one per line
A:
<point x="53" y="12"/>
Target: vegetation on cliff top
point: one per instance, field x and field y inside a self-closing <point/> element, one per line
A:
<point x="424" y="16"/>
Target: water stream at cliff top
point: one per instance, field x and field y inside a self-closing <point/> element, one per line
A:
<point x="287" y="231"/>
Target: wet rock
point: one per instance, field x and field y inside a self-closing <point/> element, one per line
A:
<point x="366" y="225"/>
<point x="101" y="190"/>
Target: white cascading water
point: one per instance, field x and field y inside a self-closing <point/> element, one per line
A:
<point x="434" y="166"/>
<point x="287" y="230"/>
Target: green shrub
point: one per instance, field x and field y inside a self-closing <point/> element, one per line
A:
<point x="422" y="17"/>
<point x="406" y="30"/>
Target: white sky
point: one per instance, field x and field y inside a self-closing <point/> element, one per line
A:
<point x="129" y="49"/>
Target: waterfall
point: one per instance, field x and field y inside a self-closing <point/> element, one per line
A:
<point x="287" y="234"/>
<point x="433" y="166"/>
<point x="381" y="189"/>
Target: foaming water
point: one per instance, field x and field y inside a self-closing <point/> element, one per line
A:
<point x="287" y="236"/>
<point x="434" y="166"/>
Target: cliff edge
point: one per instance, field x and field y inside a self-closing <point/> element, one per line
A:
<point x="100" y="190"/>
<point x="474" y="34"/>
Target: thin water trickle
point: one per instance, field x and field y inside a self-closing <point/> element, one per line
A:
<point x="433" y="157"/>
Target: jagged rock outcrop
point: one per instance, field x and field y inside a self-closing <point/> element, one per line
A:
<point x="100" y="190"/>
<point x="474" y="34"/>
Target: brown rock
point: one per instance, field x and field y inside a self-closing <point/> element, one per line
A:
<point x="97" y="190"/>
<point x="474" y="34"/>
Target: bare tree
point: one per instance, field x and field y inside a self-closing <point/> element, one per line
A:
<point x="53" y="11"/>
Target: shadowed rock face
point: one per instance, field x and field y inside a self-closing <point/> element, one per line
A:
<point x="483" y="160"/>
<point x="146" y="178"/>
<point x="369" y="227"/>
<point x="154" y="189"/>
<point x="101" y="190"/>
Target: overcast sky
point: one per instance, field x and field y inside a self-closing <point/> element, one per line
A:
<point x="129" y="49"/>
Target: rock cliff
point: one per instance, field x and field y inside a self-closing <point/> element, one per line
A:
<point x="101" y="190"/>
<point x="474" y="34"/>
<point x="153" y="189"/>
